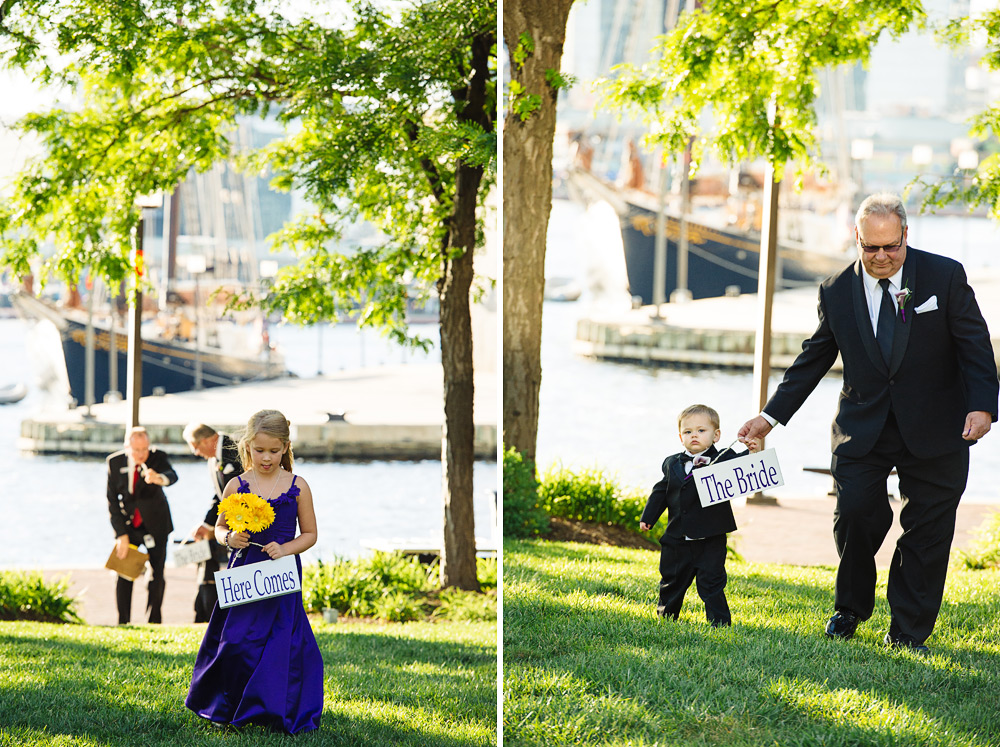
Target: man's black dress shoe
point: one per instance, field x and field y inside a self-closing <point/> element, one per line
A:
<point x="907" y="643"/>
<point x="842" y="625"/>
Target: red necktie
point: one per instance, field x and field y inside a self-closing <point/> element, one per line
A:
<point x="136" y="517"/>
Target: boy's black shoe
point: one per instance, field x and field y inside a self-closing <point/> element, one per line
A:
<point x="904" y="641"/>
<point x="842" y="625"/>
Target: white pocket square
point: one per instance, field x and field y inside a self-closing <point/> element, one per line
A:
<point x="929" y="305"/>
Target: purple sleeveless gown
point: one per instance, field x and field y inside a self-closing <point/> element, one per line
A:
<point x="259" y="662"/>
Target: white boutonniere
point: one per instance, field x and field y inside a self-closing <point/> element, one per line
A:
<point x="698" y="461"/>
<point x="903" y="298"/>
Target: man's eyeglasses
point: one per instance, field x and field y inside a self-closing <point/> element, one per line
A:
<point x="888" y="248"/>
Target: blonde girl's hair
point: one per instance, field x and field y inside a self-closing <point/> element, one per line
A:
<point x="270" y="423"/>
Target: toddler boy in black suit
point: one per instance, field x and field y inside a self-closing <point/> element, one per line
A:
<point x="694" y="545"/>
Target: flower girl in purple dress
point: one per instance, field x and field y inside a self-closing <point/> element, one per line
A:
<point x="259" y="662"/>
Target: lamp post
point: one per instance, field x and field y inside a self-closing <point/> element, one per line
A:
<point x="862" y="149"/>
<point x="88" y="365"/>
<point x="133" y="389"/>
<point x="268" y="269"/>
<point x="196" y="265"/>
<point x="968" y="160"/>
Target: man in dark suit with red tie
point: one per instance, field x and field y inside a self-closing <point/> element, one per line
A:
<point x="920" y="387"/>
<point x="140" y="514"/>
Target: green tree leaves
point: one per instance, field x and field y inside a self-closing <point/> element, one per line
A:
<point x="741" y="78"/>
<point x="375" y="112"/>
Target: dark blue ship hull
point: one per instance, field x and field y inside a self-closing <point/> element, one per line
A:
<point x="167" y="366"/>
<point x="719" y="260"/>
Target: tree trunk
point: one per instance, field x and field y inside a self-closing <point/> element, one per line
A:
<point x="458" y="551"/>
<point x="527" y="190"/>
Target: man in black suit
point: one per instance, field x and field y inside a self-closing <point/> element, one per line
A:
<point x="920" y="387"/>
<point x="223" y="465"/>
<point x="140" y="515"/>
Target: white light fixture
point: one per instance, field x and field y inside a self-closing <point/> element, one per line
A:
<point x="153" y="200"/>
<point x="922" y="154"/>
<point x="862" y="149"/>
<point x="196" y="264"/>
<point x="268" y="268"/>
<point x="959" y="145"/>
<point x="968" y="160"/>
<point x="975" y="79"/>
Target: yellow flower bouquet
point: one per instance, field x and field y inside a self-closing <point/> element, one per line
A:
<point x="247" y="512"/>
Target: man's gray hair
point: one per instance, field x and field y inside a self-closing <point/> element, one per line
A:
<point x="137" y="430"/>
<point x="195" y="432"/>
<point x="881" y="203"/>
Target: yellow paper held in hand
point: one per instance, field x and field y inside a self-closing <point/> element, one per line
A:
<point x="131" y="566"/>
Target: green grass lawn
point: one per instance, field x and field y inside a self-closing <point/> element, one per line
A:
<point x="418" y="684"/>
<point x="587" y="662"/>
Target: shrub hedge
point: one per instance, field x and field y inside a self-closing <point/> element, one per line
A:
<point x="397" y="588"/>
<point x="522" y="515"/>
<point x="28" y="596"/>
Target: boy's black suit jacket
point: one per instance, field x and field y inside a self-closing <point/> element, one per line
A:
<point x="685" y="515"/>
<point x="148" y="498"/>
<point x="942" y="365"/>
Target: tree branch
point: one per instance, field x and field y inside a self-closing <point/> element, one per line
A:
<point x="5" y="7"/>
<point x="433" y="176"/>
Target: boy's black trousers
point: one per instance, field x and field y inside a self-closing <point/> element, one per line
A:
<point x="704" y="561"/>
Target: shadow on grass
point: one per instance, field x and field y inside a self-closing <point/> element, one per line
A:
<point x="586" y="660"/>
<point x="126" y="690"/>
<point x="411" y="672"/>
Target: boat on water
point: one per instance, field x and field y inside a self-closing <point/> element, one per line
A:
<point x="723" y="259"/>
<point x="169" y="365"/>
<point x="11" y="394"/>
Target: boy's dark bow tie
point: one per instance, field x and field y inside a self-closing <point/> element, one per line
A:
<point x="698" y="459"/>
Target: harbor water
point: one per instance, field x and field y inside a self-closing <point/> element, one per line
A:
<point x="56" y="510"/>
<point x="622" y="418"/>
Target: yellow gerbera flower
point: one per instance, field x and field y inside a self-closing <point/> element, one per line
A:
<point x="247" y="512"/>
<point x="260" y="515"/>
<point x="231" y="503"/>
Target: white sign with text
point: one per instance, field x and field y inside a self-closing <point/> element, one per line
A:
<point x="257" y="581"/>
<point x="192" y="552"/>
<point x="735" y="478"/>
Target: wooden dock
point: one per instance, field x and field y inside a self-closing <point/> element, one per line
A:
<point x="391" y="412"/>
<point x="425" y="549"/>
<point x="720" y="332"/>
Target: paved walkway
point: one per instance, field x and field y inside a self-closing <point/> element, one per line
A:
<point x="800" y="531"/>
<point x="797" y="532"/>
<point x="95" y="592"/>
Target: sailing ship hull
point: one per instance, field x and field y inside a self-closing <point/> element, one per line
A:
<point x="168" y="366"/>
<point x="719" y="261"/>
